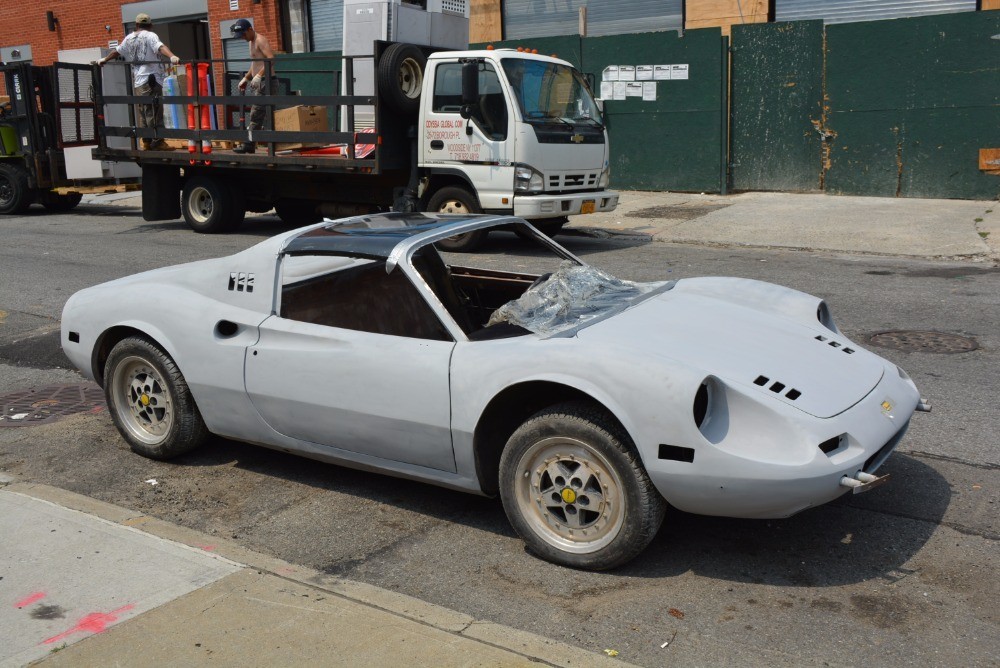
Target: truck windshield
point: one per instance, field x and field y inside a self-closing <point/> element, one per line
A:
<point x="551" y="93"/>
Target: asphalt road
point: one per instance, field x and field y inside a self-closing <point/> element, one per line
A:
<point x="906" y="574"/>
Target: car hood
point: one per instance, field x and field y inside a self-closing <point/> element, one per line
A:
<point x="741" y="340"/>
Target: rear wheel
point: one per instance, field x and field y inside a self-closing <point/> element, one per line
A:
<point x="210" y="206"/>
<point x="401" y="77"/>
<point x="575" y="490"/>
<point x="15" y="195"/>
<point x="150" y="402"/>
<point x="454" y="199"/>
<point x="56" y="202"/>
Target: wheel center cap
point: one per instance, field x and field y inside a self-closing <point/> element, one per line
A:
<point x="144" y="399"/>
<point x="568" y="495"/>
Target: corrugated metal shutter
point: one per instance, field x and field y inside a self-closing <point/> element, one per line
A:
<point x="548" y="18"/>
<point x="847" y="11"/>
<point x="237" y="54"/>
<point x="326" y="21"/>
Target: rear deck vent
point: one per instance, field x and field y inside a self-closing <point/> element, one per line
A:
<point x="830" y="444"/>
<point x="676" y="453"/>
<point x="74" y="337"/>
<point x="761" y="380"/>
<point x="849" y="351"/>
<point x="820" y="338"/>
<point x="834" y="344"/>
<point x="793" y="394"/>
<point x="777" y="387"/>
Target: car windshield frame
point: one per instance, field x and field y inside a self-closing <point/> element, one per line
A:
<point x="550" y="93"/>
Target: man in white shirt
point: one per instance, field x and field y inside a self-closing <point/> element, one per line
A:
<point x="143" y="48"/>
<point x="256" y="77"/>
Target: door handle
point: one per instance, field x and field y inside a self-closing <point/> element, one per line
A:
<point x="437" y="144"/>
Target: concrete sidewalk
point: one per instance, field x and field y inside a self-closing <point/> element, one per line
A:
<point x="926" y="228"/>
<point x="85" y="583"/>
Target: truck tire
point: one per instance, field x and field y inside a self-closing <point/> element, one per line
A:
<point x="56" y="202"/>
<point x="208" y="205"/>
<point x="455" y="199"/>
<point x="297" y="212"/>
<point x="15" y="195"/>
<point x="401" y="77"/>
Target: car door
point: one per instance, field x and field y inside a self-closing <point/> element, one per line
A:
<point x="355" y="359"/>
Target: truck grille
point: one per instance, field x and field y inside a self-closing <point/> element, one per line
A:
<point x="573" y="181"/>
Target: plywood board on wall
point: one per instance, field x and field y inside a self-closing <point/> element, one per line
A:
<point x="724" y="13"/>
<point x="485" y="21"/>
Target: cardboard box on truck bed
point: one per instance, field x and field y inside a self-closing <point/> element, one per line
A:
<point x="303" y="118"/>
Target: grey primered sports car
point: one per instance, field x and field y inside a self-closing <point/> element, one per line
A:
<point x="585" y="402"/>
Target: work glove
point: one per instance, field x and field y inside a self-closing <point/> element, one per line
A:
<point x="243" y="83"/>
<point x="257" y="82"/>
<point x="174" y="60"/>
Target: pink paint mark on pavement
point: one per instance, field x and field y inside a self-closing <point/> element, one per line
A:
<point x="207" y="548"/>
<point x="95" y="622"/>
<point x="25" y="602"/>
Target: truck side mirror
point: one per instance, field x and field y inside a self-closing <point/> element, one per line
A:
<point x="470" y="83"/>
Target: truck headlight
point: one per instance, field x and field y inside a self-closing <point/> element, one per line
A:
<point x="528" y="180"/>
<point x="605" y="178"/>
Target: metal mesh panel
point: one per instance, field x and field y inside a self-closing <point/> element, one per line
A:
<point x="76" y="115"/>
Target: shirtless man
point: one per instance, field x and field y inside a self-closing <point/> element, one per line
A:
<point x="260" y="50"/>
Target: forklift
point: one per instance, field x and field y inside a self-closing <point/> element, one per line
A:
<point x="50" y="109"/>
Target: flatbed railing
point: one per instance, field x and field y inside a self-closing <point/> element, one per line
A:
<point x="199" y="139"/>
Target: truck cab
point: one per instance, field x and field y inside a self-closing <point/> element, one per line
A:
<point x="525" y="137"/>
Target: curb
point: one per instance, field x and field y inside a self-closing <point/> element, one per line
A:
<point x="528" y="645"/>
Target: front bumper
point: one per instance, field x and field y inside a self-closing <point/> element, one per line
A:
<point x="570" y="204"/>
<point x="726" y="481"/>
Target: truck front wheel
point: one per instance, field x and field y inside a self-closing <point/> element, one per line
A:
<point x="209" y="205"/>
<point x="454" y="199"/>
<point x="15" y="195"/>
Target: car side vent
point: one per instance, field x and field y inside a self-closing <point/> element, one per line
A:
<point x="241" y="282"/>
<point x="676" y="453"/>
<point x="834" y="344"/>
<point x="777" y="387"/>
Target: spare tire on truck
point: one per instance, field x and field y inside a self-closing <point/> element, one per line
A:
<point x="401" y="77"/>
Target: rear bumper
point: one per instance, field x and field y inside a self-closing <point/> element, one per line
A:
<point x="571" y="204"/>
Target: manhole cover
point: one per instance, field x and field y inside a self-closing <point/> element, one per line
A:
<point x="923" y="342"/>
<point x="48" y="404"/>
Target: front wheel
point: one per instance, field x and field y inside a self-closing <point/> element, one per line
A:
<point x="575" y="490"/>
<point x="150" y="402"/>
<point x="15" y="195"/>
<point x="454" y="199"/>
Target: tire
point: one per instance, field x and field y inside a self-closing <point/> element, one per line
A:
<point x="401" y="76"/>
<point x="455" y="199"/>
<point x="575" y="490"/>
<point x="209" y="206"/>
<point x="15" y="195"/>
<point x="297" y="212"/>
<point x="150" y="402"/>
<point x="57" y="203"/>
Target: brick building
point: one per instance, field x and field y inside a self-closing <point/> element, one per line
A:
<point x="191" y="28"/>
